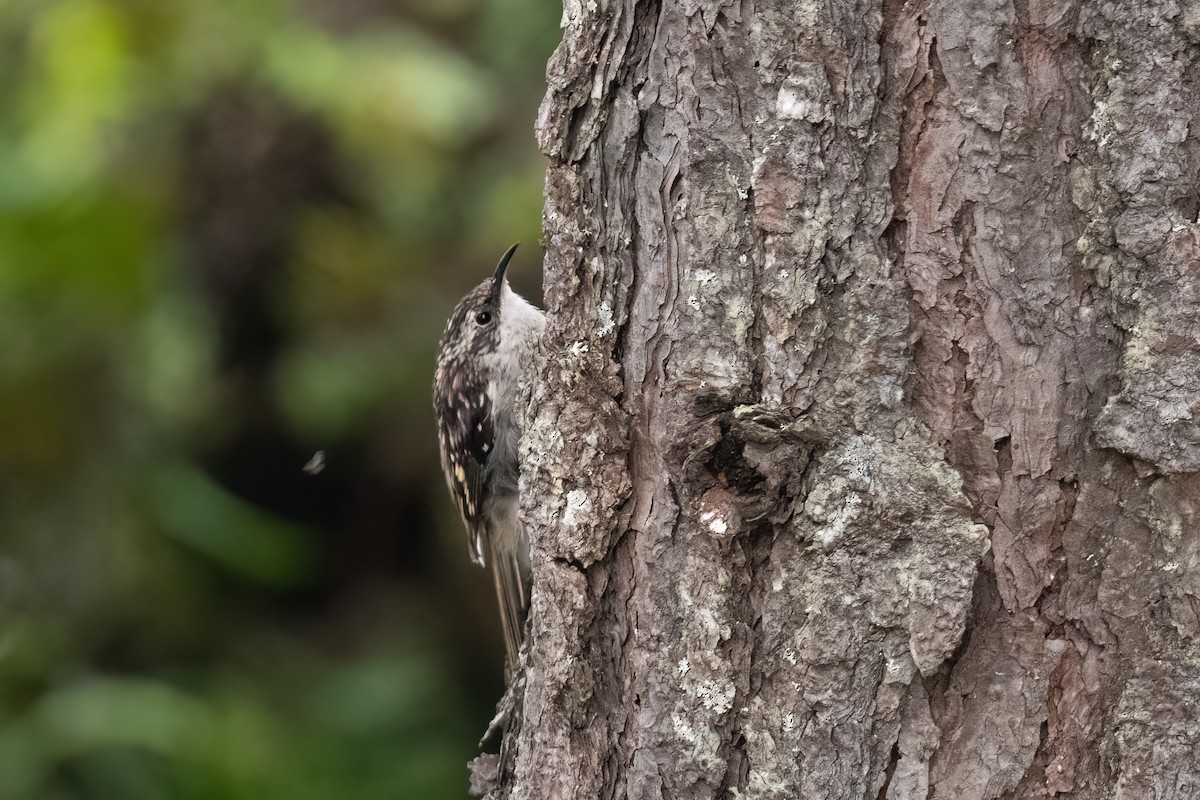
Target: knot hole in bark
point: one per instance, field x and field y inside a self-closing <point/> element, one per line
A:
<point x="759" y="454"/>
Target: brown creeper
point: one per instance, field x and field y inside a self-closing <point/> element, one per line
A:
<point x="481" y="358"/>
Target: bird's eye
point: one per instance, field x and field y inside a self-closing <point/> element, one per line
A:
<point x="483" y="317"/>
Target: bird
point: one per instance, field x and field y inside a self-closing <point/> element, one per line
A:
<point x="482" y="359"/>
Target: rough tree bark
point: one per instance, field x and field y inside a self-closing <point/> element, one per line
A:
<point x="863" y="458"/>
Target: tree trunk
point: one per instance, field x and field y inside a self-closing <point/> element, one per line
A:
<point x="863" y="459"/>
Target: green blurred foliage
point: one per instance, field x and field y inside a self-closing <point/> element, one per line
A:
<point x="230" y="232"/>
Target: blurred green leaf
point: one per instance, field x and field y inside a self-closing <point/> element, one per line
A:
<point x="329" y="387"/>
<point x="385" y="85"/>
<point x="243" y="539"/>
<point x="173" y="363"/>
<point x="82" y="89"/>
<point x="122" y="713"/>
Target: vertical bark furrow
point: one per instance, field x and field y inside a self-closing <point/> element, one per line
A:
<point x="1144" y="177"/>
<point x="1136" y="512"/>
<point x="1006" y="354"/>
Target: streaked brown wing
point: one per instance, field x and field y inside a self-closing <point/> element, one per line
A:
<point x="465" y="423"/>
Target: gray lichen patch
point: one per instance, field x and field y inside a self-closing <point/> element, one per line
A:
<point x="892" y="515"/>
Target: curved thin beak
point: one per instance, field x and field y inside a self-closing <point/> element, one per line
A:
<point x="498" y="278"/>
